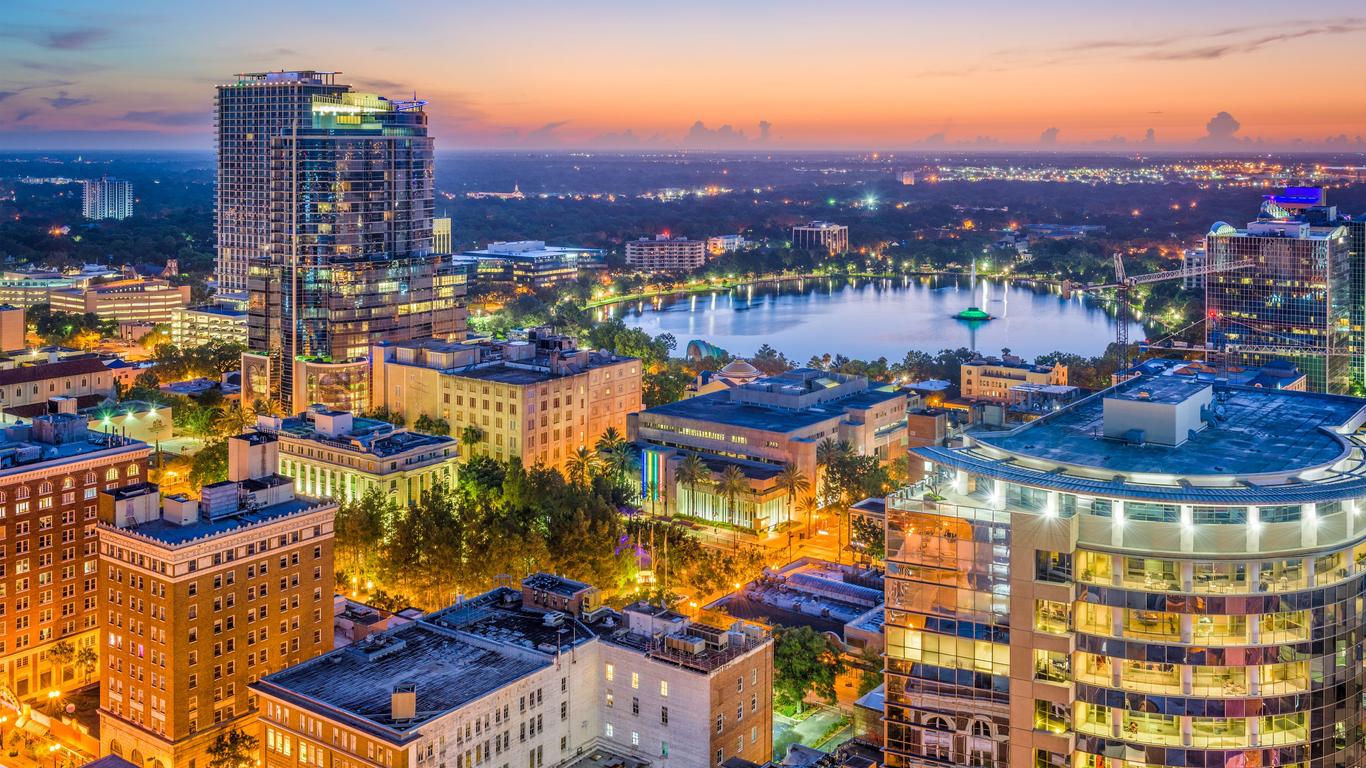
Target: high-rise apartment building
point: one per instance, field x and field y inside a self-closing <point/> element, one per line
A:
<point x="325" y="216"/>
<point x="203" y="597"/>
<point x="51" y="472"/>
<point x="1166" y="573"/>
<point x="539" y="400"/>
<point x="544" y="676"/>
<point x="666" y="254"/>
<point x="106" y="198"/>
<point x="251" y="113"/>
<point x="1295" y="300"/>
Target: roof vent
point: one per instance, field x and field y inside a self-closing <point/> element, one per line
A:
<point x="553" y="619"/>
<point x="403" y="702"/>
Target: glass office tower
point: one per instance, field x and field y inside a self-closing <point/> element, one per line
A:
<point x="1167" y="573"/>
<point x="1294" y="301"/>
<point x="347" y="259"/>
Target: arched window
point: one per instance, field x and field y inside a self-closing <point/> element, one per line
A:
<point x="68" y="483"/>
<point x="133" y="470"/>
<point x="981" y="728"/>
<point x="45" y="487"/>
<point x="116" y="748"/>
<point x="89" y="477"/>
<point x="112" y="474"/>
<point x="21" y="492"/>
<point x="135" y="757"/>
<point x="937" y="723"/>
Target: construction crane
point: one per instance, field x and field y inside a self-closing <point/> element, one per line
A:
<point x="1124" y="283"/>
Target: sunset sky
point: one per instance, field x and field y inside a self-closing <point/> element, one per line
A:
<point x="856" y="74"/>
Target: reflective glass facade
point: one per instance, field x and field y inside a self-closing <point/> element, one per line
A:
<point x="340" y="250"/>
<point x="1203" y="616"/>
<point x="1296" y="295"/>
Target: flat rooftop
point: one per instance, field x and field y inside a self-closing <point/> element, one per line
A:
<point x="446" y="672"/>
<point x="1256" y="431"/>
<point x="1160" y="390"/>
<point x="717" y="407"/>
<point x="174" y="535"/>
<point x="498" y="616"/>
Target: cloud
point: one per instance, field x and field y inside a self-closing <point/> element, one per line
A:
<point x="1149" y="137"/>
<point x="24" y="114"/>
<point x="163" y="117"/>
<point x="699" y="135"/>
<point x="73" y="39"/>
<point x="764" y="128"/>
<point x="6" y="94"/>
<point x="1221" y="130"/>
<point x="1208" y="52"/>
<point x="1049" y="137"/>
<point x="938" y="139"/>
<point x="546" y="132"/>
<point x="1188" y="46"/>
<point x="65" y="101"/>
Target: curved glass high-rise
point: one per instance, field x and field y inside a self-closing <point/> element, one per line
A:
<point x="325" y="217"/>
<point x="1167" y="573"/>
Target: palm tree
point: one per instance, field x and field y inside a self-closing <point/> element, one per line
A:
<point x="808" y="505"/>
<point x="829" y="453"/>
<point x="793" y="481"/>
<point x="581" y="465"/>
<point x="691" y="471"/>
<point x="470" y="436"/>
<point x="609" y="440"/>
<point x="732" y="483"/>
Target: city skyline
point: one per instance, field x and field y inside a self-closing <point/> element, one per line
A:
<point x="712" y="77"/>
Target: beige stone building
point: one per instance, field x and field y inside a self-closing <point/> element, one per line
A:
<point x="541" y="676"/>
<point x="539" y="399"/>
<point x="145" y="300"/>
<point x="992" y="378"/>
<point x="202" y="597"/>
<point x="336" y="455"/>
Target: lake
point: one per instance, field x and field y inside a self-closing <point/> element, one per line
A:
<point x="884" y="317"/>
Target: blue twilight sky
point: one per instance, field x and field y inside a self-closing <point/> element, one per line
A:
<point x="705" y="73"/>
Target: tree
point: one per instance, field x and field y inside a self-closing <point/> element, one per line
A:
<point x="581" y="466"/>
<point x="61" y="653"/>
<point x="432" y="426"/>
<point x="382" y="413"/>
<point x="471" y="436"/>
<point x="210" y="465"/>
<point x="793" y="481"/>
<point x="870" y="670"/>
<point x="827" y="452"/>
<point x="87" y="658"/>
<point x="233" y="749"/>
<point x="804" y="661"/>
<point x="730" y="485"/>
<point x="870" y="536"/>
<point x="691" y="471"/>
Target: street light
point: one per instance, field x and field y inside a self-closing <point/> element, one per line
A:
<point x="53" y="750"/>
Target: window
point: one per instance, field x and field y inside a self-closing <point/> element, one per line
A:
<point x="663" y="715"/>
<point x="635" y="680"/>
<point x="609" y="672"/>
<point x="607" y="730"/>
<point x="1055" y="567"/>
<point x="664" y="688"/>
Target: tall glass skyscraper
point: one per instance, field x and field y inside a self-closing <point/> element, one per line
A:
<point x="325" y="217"/>
<point x="1296" y="299"/>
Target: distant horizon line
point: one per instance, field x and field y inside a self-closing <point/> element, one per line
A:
<point x="965" y="151"/>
